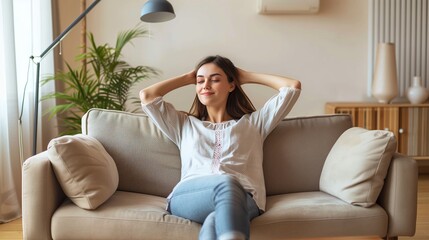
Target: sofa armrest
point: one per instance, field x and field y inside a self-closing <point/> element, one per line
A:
<point x="399" y="196"/>
<point x="41" y="196"/>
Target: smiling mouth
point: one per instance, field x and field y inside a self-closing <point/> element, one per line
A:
<point x="207" y="94"/>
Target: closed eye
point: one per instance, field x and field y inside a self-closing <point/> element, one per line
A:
<point x="200" y="80"/>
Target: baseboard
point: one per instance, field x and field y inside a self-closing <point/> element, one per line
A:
<point x="423" y="166"/>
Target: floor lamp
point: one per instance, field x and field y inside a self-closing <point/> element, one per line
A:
<point x="40" y="58"/>
<point x="152" y="11"/>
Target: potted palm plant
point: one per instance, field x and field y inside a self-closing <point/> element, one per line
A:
<point x="103" y="81"/>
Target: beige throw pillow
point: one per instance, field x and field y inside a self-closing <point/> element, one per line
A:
<point x="357" y="164"/>
<point x="85" y="171"/>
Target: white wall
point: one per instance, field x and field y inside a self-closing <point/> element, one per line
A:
<point x="327" y="51"/>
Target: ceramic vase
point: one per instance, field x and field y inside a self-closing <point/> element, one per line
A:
<point x="384" y="82"/>
<point x="416" y="93"/>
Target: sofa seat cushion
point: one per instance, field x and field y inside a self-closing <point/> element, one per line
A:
<point x="129" y="215"/>
<point x="315" y="214"/>
<point x="125" y="215"/>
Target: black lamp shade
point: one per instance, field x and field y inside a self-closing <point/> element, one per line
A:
<point x="157" y="11"/>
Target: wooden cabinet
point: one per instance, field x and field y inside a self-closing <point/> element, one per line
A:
<point x="409" y="122"/>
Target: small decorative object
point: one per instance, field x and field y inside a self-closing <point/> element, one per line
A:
<point x="417" y="93"/>
<point x="384" y="82"/>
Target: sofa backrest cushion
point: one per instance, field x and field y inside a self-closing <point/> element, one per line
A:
<point x="294" y="153"/>
<point x="148" y="162"/>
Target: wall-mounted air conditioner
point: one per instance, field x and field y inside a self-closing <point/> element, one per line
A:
<point x="288" y="6"/>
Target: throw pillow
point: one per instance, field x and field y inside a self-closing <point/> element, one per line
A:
<point x="357" y="164"/>
<point x="85" y="171"/>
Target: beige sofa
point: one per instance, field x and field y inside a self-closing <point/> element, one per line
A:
<point x="149" y="166"/>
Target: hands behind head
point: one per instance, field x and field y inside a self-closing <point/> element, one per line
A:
<point x="191" y="77"/>
<point x="241" y="76"/>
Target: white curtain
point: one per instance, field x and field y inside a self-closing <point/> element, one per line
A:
<point x="25" y="30"/>
<point x="9" y="155"/>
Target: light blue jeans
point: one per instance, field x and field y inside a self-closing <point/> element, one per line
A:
<point x="219" y="202"/>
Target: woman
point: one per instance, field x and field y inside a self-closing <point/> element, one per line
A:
<point x="220" y="142"/>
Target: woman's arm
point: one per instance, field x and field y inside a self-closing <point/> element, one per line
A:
<point x="161" y="88"/>
<point x="272" y="81"/>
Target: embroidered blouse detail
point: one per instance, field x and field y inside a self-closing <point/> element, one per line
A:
<point x="217" y="151"/>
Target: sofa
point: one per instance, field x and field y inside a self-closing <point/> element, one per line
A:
<point x="148" y="167"/>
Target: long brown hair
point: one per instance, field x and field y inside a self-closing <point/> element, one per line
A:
<point x="238" y="104"/>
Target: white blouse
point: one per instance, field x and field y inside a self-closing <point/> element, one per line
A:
<point x="233" y="147"/>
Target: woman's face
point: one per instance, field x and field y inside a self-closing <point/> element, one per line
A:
<point x="212" y="86"/>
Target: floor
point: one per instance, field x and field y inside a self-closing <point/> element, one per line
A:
<point x="422" y="232"/>
<point x="13" y="230"/>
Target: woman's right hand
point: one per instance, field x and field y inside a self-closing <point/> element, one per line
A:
<point x="161" y="88"/>
<point x="191" y="77"/>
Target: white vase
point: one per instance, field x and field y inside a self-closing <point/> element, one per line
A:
<point x="384" y="82"/>
<point x="417" y="93"/>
